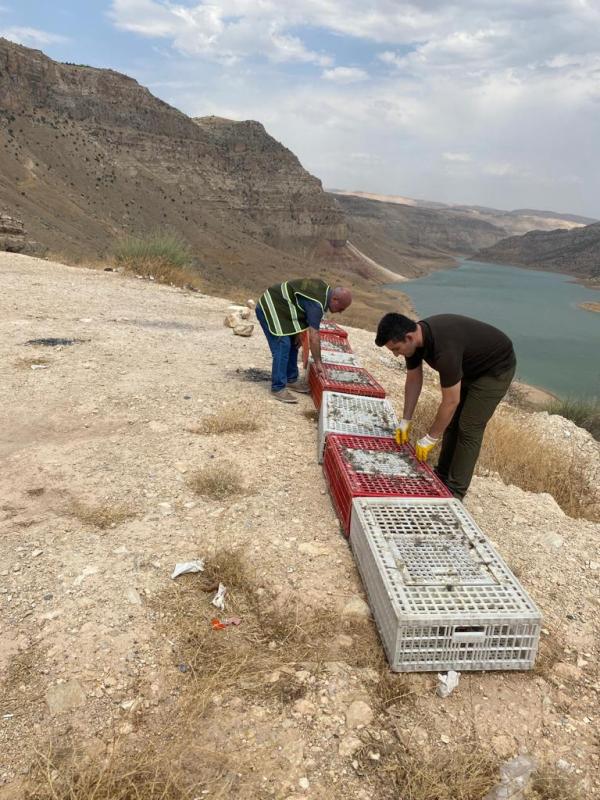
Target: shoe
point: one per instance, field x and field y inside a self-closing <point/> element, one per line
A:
<point x="284" y="396"/>
<point x="299" y="386"/>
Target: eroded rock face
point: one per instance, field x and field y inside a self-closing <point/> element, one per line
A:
<point x="12" y="234"/>
<point x="88" y="153"/>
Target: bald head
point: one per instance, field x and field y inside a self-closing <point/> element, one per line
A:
<point x="340" y="299"/>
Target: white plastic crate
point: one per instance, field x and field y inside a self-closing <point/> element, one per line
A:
<point x="355" y="415"/>
<point x="442" y="597"/>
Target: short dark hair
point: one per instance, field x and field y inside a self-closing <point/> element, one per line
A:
<point x="393" y="328"/>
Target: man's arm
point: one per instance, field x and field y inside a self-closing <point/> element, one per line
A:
<point x="412" y="390"/>
<point x="314" y="341"/>
<point x="446" y="409"/>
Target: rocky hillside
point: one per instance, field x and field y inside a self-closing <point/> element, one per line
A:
<point x="509" y="223"/>
<point x="575" y="252"/>
<point x="87" y="155"/>
<point x="412" y="240"/>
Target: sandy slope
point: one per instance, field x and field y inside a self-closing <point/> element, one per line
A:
<point x="106" y="422"/>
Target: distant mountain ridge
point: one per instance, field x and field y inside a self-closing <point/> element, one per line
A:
<point x="574" y="252"/>
<point x="509" y="222"/>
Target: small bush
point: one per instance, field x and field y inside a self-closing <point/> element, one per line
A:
<point x="583" y="411"/>
<point x="162" y="256"/>
<point x="217" y="482"/>
<point x="100" y="516"/>
<point x="228" y="420"/>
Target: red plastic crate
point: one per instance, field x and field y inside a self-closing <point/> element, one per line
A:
<point x="368" y="386"/>
<point x="331" y="341"/>
<point x="347" y="482"/>
<point x="327" y="326"/>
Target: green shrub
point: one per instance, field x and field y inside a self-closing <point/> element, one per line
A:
<point x="159" y="247"/>
<point x="583" y="411"/>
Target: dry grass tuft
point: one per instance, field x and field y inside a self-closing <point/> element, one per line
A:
<point x="100" y="516"/>
<point x="218" y="481"/>
<point x="261" y="656"/>
<point x="464" y="773"/>
<point x="231" y="419"/>
<point x="550" y="784"/>
<point x="538" y="466"/>
<point x="122" y="774"/>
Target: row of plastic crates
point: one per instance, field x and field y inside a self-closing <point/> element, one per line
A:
<point x="441" y="596"/>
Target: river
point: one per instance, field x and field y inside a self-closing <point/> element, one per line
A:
<point x="557" y="343"/>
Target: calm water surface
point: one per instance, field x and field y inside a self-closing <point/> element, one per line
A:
<point x="557" y="343"/>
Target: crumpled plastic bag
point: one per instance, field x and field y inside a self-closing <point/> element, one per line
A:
<point x="447" y="683"/>
<point x="219" y="599"/>
<point x="188" y="566"/>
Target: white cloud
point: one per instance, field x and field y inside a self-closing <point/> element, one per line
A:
<point x="494" y="102"/>
<point x="345" y="74"/>
<point x="225" y="32"/>
<point x="31" y="37"/>
<point x="459" y="157"/>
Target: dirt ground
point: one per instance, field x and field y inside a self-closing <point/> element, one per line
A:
<point x="101" y="427"/>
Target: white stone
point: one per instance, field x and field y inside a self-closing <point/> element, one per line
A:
<point x="349" y="745"/>
<point x="356" y="607"/>
<point x="311" y="549"/>
<point x="552" y="541"/>
<point x="304" y="784"/>
<point x="133" y="597"/>
<point x="359" y="714"/>
<point x="65" y="696"/>
<point x="244" y="329"/>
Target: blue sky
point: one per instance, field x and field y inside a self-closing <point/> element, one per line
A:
<point x="490" y="102"/>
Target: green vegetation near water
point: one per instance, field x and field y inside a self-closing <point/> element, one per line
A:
<point x="583" y="411"/>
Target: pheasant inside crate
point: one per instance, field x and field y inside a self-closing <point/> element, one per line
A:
<point x="345" y="376"/>
<point x="330" y="344"/>
<point x="378" y="462"/>
<point x="367" y="419"/>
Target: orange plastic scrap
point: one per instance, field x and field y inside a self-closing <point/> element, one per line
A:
<point x="217" y="625"/>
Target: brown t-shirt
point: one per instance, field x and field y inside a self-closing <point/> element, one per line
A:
<point x="461" y="347"/>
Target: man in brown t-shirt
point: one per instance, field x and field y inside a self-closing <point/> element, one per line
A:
<point x="476" y="363"/>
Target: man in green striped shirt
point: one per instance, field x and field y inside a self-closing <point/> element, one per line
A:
<point x="284" y="311"/>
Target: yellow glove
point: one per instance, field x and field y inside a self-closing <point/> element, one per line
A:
<point x="424" y="446"/>
<point x="403" y="430"/>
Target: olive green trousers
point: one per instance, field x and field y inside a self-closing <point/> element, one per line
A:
<point x="463" y="436"/>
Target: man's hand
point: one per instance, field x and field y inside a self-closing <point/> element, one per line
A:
<point x="403" y="431"/>
<point x="424" y="446"/>
<point x="319" y="368"/>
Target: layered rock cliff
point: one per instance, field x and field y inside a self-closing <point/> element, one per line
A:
<point x="12" y="234"/>
<point x="574" y="252"/>
<point x="87" y="155"/>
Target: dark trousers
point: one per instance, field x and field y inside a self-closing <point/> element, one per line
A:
<point x="284" y="350"/>
<point x="463" y="436"/>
